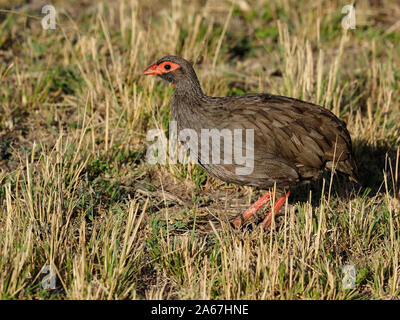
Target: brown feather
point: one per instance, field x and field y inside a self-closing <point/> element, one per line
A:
<point x="294" y="140"/>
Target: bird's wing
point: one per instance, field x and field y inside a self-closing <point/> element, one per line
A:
<point x="291" y="135"/>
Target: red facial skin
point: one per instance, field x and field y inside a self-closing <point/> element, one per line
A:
<point x="160" y="68"/>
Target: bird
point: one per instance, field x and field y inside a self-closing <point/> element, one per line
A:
<point x="293" y="141"/>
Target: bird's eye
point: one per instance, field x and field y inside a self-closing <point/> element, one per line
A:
<point x="167" y="67"/>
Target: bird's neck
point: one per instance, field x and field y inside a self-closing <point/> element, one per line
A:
<point x="186" y="101"/>
<point x="190" y="85"/>
<point x="189" y="92"/>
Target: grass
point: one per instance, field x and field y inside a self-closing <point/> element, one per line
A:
<point x="77" y="194"/>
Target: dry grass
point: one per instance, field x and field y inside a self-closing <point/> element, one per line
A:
<point x="77" y="194"/>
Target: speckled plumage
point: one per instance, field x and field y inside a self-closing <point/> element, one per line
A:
<point x="294" y="141"/>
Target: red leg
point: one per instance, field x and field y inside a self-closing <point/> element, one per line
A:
<point x="278" y="205"/>
<point x="252" y="210"/>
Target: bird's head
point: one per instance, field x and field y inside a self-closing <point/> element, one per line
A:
<point x="176" y="70"/>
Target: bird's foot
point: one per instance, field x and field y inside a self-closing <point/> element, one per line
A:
<point x="278" y="205"/>
<point x="256" y="206"/>
<point x="252" y="210"/>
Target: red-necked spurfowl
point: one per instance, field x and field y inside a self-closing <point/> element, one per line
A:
<point x="294" y="141"/>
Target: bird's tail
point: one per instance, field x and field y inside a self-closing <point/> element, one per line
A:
<point x="347" y="166"/>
